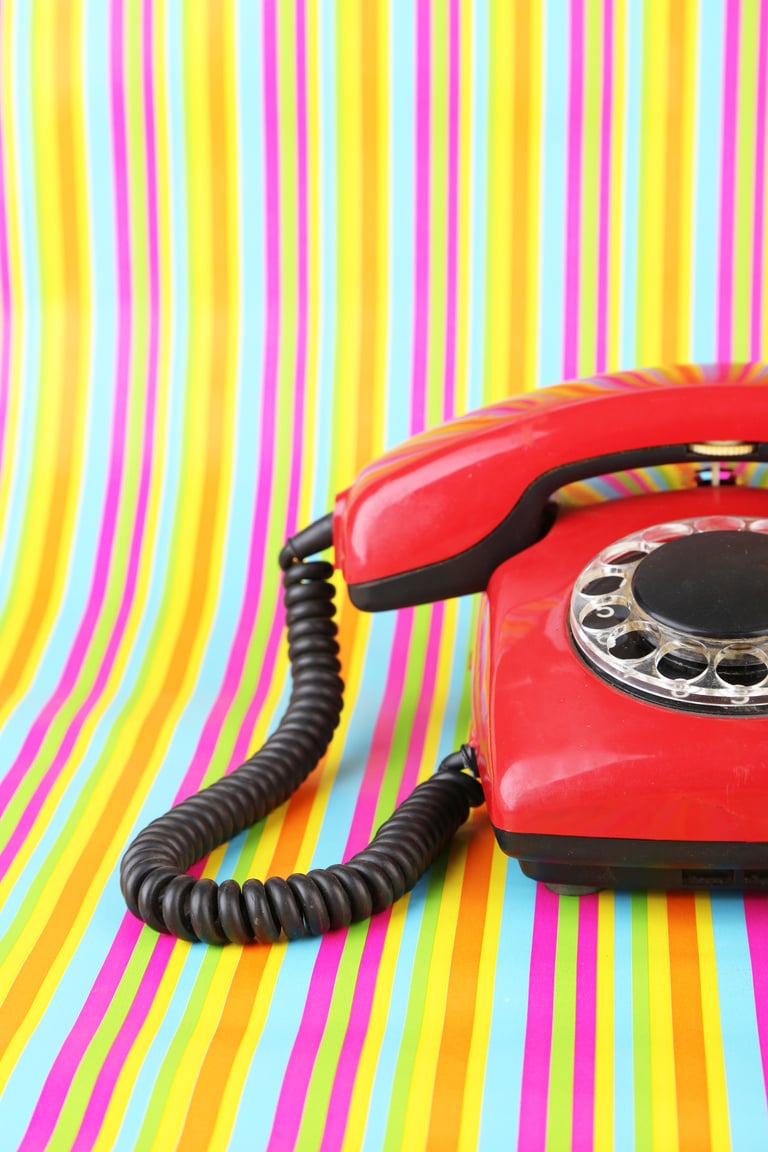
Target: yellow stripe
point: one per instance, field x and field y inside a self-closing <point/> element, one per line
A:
<point x="604" y="1024"/>
<point x="663" y="1095"/>
<point x="417" y="1114"/>
<point x="315" y="308"/>
<point x="126" y="1081"/>
<point x="148" y="693"/>
<point x="744" y="239"/>
<point x="464" y="209"/>
<point x="686" y="177"/>
<point x="354" y="1136"/>
<point x="349" y="224"/>
<point x="535" y="102"/>
<point x="383" y="229"/>
<point x="438" y="209"/>
<point x="11" y="325"/>
<point x="616" y="259"/>
<point x="717" y="1088"/>
<point x="485" y="983"/>
<point x="209" y="996"/>
<point x="653" y="144"/>
<point x="590" y="192"/>
<point x="498" y="288"/>
<point x="58" y="330"/>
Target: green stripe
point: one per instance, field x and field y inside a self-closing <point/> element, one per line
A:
<point x="744" y="237"/>
<point x="417" y="1001"/>
<point x="81" y="1090"/>
<point x="327" y="1058"/>
<point x="641" y="1022"/>
<point x="560" y="1110"/>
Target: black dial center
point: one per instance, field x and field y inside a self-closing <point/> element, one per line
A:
<point x="710" y="584"/>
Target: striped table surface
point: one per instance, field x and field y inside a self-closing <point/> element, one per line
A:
<point x="244" y="248"/>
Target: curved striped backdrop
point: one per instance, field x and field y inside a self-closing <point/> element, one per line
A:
<point x="244" y="247"/>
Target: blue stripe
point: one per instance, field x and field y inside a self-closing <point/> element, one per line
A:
<point x="402" y="182"/>
<point x="706" y="179"/>
<point x="554" y="183"/>
<point x="323" y="496"/>
<point x="738" y="1024"/>
<point x="633" y="181"/>
<point x="623" y="1037"/>
<point x="476" y="388"/>
<point x="506" y="1041"/>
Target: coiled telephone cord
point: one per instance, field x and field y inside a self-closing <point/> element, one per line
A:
<point x="153" y="876"/>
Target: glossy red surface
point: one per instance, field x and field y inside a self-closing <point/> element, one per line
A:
<point x="445" y="490"/>
<point x="561" y="751"/>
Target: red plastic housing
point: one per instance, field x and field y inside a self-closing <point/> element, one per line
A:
<point x="564" y="753"/>
<point x="445" y="491"/>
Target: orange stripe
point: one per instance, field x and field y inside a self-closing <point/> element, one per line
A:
<point x="57" y="123"/>
<point x="673" y="222"/>
<point x="450" y="1073"/>
<point x="518" y="367"/>
<point x="370" y="238"/>
<point x="220" y="224"/>
<point x="687" y="1025"/>
<point x="75" y="886"/>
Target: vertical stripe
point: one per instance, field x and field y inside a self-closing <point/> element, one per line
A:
<point x="653" y="177"/>
<point x="606" y="166"/>
<point x="585" y="1100"/>
<point x="727" y="182"/>
<point x="687" y="1023"/>
<point x="717" y="1090"/>
<point x="758" y="212"/>
<point x="519" y="369"/>
<point x="756" y="914"/>
<point x="573" y="194"/>
<point x="534" y="1091"/>
<point x="452" y="223"/>
<point x="452" y="1099"/>
<point x="421" y="220"/>
<point x="665" y="1110"/>
<point x="674" y="223"/>
<point x="607" y="960"/>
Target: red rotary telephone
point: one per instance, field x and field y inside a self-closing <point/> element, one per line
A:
<point x="620" y="684"/>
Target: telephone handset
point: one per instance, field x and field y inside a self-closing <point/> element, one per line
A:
<point x="620" y="673"/>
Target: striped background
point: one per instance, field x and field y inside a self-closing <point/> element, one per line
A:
<point x="243" y="248"/>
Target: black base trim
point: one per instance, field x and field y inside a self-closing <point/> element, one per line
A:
<point x="716" y="865"/>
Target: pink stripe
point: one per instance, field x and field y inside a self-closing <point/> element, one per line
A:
<point x="758" y="226"/>
<point x="104" y="1086"/>
<point x="68" y="1060"/>
<point x="300" y="375"/>
<point x="5" y="301"/>
<point x="449" y="393"/>
<point x="298" y="1072"/>
<point x="421" y="266"/>
<point x="586" y="1025"/>
<point x="728" y="184"/>
<point x="360" y="1014"/>
<point x="604" y="223"/>
<point x="87" y="626"/>
<point x="59" y="1081"/>
<point x="266" y="459"/>
<point x="301" y="1064"/>
<point x="534" y="1094"/>
<point x="354" y="1035"/>
<point x="573" y="193"/>
<point x="756" y="916"/>
<point x="88" y="1024"/>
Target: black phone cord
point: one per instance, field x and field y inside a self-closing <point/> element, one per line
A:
<point x="153" y="871"/>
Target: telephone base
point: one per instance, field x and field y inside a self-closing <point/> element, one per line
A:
<point x="577" y="866"/>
